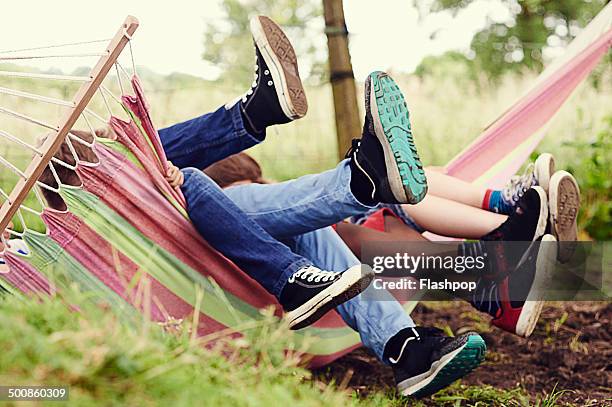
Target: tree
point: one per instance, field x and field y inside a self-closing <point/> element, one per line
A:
<point x="229" y="46"/>
<point x="534" y="28"/>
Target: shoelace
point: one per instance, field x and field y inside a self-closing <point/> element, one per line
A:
<point x="519" y="184"/>
<point x="355" y="143"/>
<point x="311" y="274"/>
<point x="254" y="84"/>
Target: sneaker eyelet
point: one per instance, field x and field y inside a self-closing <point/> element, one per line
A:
<point x="270" y="83"/>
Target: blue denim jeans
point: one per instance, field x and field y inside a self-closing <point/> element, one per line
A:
<point x="230" y="231"/>
<point x="207" y="139"/>
<point x="297" y="212"/>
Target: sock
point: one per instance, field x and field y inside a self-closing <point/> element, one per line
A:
<point x="361" y="186"/>
<point x="494" y="202"/>
<point x="249" y="126"/>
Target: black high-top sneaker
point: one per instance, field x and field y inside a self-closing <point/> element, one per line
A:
<point x="276" y="95"/>
<point x="424" y="360"/>
<point x="310" y="293"/>
<point x="526" y="224"/>
<point x="515" y="303"/>
<point x="385" y="165"/>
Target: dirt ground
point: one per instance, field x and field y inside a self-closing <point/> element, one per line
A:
<point x="570" y="348"/>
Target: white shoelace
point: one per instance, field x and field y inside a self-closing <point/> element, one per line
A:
<point x="412" y="338"/>
<point x="254" y="84"/>
<point x="519" y="184"/>
<point x="311" y="274"/>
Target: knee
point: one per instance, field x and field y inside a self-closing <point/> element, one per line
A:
<point x="196" y="182"/>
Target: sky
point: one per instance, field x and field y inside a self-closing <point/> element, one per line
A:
<point x="170" y="36"/>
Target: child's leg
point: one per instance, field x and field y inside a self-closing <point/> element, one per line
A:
<point x="222" y="224"/>
<point x="204" y="140"/>
<point x="495" y="200"/>
<point x="276" y="97"/>
<point x="453" y="219"/>
<point x="376" y="320"/>
<point x="302" y="205"/>
<point x="454" y="189"/>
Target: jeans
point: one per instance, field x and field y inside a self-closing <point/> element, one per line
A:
<point x="375" y="320"/>
<point x="297" y="212"/>
<point x="207" y="139"/>
<point x="302" y="205"/>
<point x="226" y="228"/>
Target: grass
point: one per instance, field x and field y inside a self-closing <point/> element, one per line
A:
<point x="106" y="361"/>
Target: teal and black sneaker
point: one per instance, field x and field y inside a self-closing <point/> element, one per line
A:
<point x="385" y="165"/>
<point x="424" y="360"/>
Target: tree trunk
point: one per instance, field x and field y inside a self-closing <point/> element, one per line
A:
<point x="341" y="76"/>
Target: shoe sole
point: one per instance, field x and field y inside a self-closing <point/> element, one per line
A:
<point x="532" y="308"/>
<point x="544" y="169"/>
<point x="352" y="283"/>
<point x="280" y="57"/>
<point x="564" y="204"/>
<point x="543" y="219"/>
<point x="447" y="369"/>
<point x="392" y="127"/>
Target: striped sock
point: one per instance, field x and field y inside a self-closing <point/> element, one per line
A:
<point x="494" y="202"/>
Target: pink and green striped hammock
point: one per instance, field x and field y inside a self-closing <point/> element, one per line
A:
<point x="126" y="236"/>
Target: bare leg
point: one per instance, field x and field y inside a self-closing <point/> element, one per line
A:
<point x="454" y="189"/>
<point x="453" y="219"/>
<point x="395" y="231"/>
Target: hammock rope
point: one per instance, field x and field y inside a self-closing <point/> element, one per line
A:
<point x="70" y="44"/>
<point x="32" y="96"/>
<point x="61" y="132"/>
<point x="46" y="77"/>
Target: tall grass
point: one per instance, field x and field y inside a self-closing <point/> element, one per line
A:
<point x="105" y="361"/>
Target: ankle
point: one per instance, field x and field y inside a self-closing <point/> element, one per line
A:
<point x="494" y="202"/>
<point x="396" y="345"/>
<point x="361" y="185"/>
<point x="252" y="128"/>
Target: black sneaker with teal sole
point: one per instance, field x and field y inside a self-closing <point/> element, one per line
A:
<point x="425" y="361"/>
<point x="385" y="160"/>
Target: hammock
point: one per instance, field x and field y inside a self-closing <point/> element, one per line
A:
<point x="126" y="237"/>
<point x="506" y="144"/>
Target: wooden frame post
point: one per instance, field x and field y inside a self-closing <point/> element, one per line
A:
<point x="81" y="100"/>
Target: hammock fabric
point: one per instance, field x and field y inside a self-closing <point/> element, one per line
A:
<point x="126" y="236"/>
<point x="506" y="144"/>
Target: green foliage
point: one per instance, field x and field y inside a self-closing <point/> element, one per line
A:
<point x="229" y="46"/>
<point x="452" y="63"/>
<point x="592" y="170"/>
<point x="520" y="42"/>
